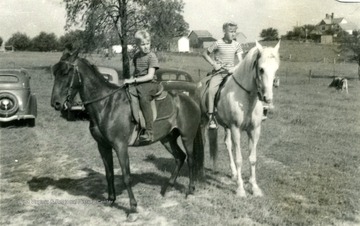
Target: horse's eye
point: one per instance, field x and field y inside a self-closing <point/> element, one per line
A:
<point x="261" y="70"/>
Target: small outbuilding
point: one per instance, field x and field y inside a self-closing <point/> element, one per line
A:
<point x="118" y="48"/>
<point x="200" y="39"/>
<point x="180" y="44"/>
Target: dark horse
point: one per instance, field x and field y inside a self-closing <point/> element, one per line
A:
<point x="111" y="123"/>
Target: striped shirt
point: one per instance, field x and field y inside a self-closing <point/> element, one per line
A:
<point x="224" y="53"/>
<point x="144" y="61"/>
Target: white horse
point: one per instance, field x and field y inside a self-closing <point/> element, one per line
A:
<point x="240" y="108"/>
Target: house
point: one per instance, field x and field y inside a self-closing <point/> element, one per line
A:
<point x="118" y="48"/>
<point x="200" y="39"/>
<point x="240" y="37"/>
<point x="333" y="26"/>
<point x="180" y="44"/>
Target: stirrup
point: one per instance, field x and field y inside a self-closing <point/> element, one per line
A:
<point x="212" y="122"/>
<point x="147" y="136"/>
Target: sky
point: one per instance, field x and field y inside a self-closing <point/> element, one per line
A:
<point x="33" y="16"/>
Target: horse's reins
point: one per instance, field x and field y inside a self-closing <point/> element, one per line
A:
<point x="257" y="78"/>
<point x="71" y="87"/>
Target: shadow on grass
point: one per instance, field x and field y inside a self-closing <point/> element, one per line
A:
<point x="94" y="185"/>
<point x="212" y="178"/>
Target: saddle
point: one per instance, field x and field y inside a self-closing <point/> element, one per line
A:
<point x="161" y="101"/>
<point x="205" y="91"/>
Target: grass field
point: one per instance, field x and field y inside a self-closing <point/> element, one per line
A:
<point x="308" y="159"/>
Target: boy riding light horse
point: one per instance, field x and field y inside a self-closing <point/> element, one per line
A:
<point x="240" y="108"/>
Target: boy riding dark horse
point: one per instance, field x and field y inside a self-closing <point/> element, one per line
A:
<point x="146" y="63"/>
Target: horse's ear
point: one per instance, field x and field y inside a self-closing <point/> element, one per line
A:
<point x="258" y="46"/>
<point x="73" y="56"/>
<point x="277" y="47"/>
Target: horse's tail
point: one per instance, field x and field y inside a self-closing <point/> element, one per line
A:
<point x="213" y="146"/>
<point x="198" y="148"/>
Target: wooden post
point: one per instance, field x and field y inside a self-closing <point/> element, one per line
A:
<point x="199" y="73"/>
<point x="310" y="75"/>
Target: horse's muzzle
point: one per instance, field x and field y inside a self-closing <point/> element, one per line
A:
<point x="58" y="106"/>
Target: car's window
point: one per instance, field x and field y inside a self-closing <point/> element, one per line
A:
<point x="167" y="76"/>
<point x="108" y="77"/>
<point x="8" y="79"/>
<point x="182" y="78"/>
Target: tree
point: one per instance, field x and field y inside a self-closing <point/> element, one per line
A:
<point x="301" y="32"/>
<point x="73" y="38"/>
<point x="113" y="21"/>
<point x="269" y="34"/>
<point x="20" y="41"/>
<point x="99" y="18"/>
<point x="165" y="21"/>
<point x="44" y="42"/>
<point x="1" y="41"/>
<point x="350" y="44"/>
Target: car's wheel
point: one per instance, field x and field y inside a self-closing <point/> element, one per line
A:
<point x="70" y="115"/>
<point x="31" y="122"/>
<point x="9" y="105"/>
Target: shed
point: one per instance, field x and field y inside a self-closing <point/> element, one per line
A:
<point x="180" y="44"/>
<point x="118" y="48"/>
<point x="200" y="39"/>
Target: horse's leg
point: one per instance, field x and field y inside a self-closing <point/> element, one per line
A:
<point x="253" y="140"/>
<point x="229" y="148"/>
<point x="235" y="137"/>
<point x="121" y="150"/>
<point x="188" y="145"/>
<point x="107" y="157"/>
<point x="171" y="145"/>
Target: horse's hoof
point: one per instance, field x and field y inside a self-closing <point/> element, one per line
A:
<point x="111" y="200"/>
<point x="241" y="193"/>
<point x="258" y="193"/>
<point x="132" y="217"/>
<point x="190" y="191"/>
<point x="163" y="191"/>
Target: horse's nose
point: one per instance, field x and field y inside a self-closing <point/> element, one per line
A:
<point x="57" y="106"/>
<point x="267" y="100"/>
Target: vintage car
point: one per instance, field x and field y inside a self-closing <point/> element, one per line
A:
<point x="17" y="102"/>
<point x="171" y="79"/>
<point x="177" y="80"/>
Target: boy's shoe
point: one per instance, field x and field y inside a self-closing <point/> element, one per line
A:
<point x="265" y="111"/>
<point x="212" y="123"/>
<point x="147" y="136"/>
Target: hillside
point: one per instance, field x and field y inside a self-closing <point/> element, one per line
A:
<point x="308" y="52"/>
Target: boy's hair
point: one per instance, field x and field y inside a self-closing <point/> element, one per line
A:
<point x="229" y="24"/>
<point x="142" y="35"/>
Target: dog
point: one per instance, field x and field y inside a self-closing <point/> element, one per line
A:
<point x="340" y="84"/>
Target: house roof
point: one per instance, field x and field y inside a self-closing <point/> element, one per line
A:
<point x="348" y="26"/>
<point x="338" y="20"/>
<point x="207" y="39"/>
<point x="201" y="33"/>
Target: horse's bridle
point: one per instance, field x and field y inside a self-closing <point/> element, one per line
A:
<point x="70" y="95"/>
<point x="257" y="78"/>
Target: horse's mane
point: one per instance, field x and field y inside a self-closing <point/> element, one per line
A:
<point x="252" y="56"/>
<point x="248" y="63"/>
<point x="96" y="71"/>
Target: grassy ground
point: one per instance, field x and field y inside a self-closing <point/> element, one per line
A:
<point x="308" y="161"/>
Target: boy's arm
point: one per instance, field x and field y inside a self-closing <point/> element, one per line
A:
<point x="206" y="55"/>
<point x="239" y="56"/>
<point x="148" y="77"/>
